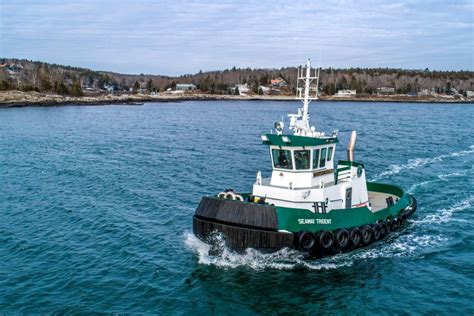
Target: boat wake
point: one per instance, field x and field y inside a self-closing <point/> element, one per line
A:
<point x="420" y="162"/>
<point x="441" y="177"/>
<point x="446" y="214"/>
<point x="221" y="256"/>
<point x="398" y="245"/>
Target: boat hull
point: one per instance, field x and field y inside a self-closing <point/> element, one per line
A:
<point x="268" y="228"/>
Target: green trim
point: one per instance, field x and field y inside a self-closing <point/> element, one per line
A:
<point x="385" y="188"/>
<point x="295" y="220"/>
<point x="298" y="141"/>
<point x="350" y="163"/>
<point x="336" y="172"/>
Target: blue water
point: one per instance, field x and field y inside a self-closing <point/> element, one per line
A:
<point x="96" y="206"/>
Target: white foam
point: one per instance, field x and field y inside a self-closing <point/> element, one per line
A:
<point x="420" y="162"/>
<point x="441" y="177"/>
<point x="446" y="214"/>
<point x="445" y="177"/>
<point x="284" y="259"/>
<point x="397" y="245"/>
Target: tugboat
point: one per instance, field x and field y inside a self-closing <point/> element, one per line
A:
<point x="309" y="203"/>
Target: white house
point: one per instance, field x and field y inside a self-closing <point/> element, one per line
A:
<point x="470" y="94"/>
<point x="385" y="90"/>
<point x="185" y="87"/>
<point x="243" y="89"/>
<point x="346" y="93"/>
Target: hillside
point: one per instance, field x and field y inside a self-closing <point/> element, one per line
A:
<point x="28" y="75"/>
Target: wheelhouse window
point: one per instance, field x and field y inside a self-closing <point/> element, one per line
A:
<point x="322" y="160"/>
<point x="302" y="159"/>
<point x="282" y="159"/>
<point x="330" y="149"/>
<point x="315" y="158"/>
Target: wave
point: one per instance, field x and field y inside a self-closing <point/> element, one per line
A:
<point x="399" y="244"/>
<point x="221" y="256"/>
<point x="446" y="214"/>
<point x="441" y="177"/>
<point x="420" y="162"/>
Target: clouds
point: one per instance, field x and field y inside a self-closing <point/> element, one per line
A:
<point x="174" y="37"/>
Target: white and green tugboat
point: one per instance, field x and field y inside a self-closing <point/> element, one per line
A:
<point x="309" y="203"/>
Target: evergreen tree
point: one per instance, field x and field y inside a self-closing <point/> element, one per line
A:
<point x="76" y="90"/>
<point x="136" y="87"/>
<point x="149" y="85"/>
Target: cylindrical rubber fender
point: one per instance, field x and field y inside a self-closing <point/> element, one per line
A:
<point x="342" y="238"/>
<point x="398" y="221"/>
<point x="238" y="197"/>
<point x="366" y="234"/>
<point x="326" y="239"/>
<point x="383" y="228"/>
<point x="376" y="231"/>
<point x="355" y="236"/>
<point x="306" y="240"/>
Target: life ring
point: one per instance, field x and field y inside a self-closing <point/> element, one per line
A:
<point x="230" y="195"/>
<point x="376" y="231"/>
<point x="355" y="236"/>
<point x="342" y="238"/>
<point x="238" y="197"/>
<point x="326" y="239"/>
<point x="366" y="233"/>
<point x="222" y="195"/>
<point x="306" y="240"/>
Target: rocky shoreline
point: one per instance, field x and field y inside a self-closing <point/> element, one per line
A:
<point x="22" y="99"/>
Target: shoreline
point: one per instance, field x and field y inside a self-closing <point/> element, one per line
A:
<point x="9" y="99"/>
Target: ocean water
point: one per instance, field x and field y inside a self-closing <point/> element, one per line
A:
<point x="96" y="208"/>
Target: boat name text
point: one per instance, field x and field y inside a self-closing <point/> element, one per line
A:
<point x="324" y="221"/>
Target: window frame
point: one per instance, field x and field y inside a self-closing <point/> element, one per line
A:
<point x="309" y="161"/>
<point x="291" y="162"/>
<point x="330" y="153"/>
<point x="322" y="158"/>
<point x="315" y="159"/>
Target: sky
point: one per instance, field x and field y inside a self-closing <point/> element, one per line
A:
<point x="178" y="37"/>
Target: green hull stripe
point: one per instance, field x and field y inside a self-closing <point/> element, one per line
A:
<point x="294" y="220"/>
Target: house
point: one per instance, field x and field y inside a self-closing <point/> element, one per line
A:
<point x="264" y="90"/>
<point x="185" y="87"/>
<point x="470" y="94"/>
<point x="385" y="91"/>
<point x="346" y="93"/>
<point x="278" y="82"/>
<point x="13" y="69"/>
<point x="109" y="88"/>
<point x="424" y="92"/>
<point x="242" y="88"/>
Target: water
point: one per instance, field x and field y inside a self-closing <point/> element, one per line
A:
<point x="96" y="206"/>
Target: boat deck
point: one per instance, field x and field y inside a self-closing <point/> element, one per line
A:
<point x="378" y="200"/>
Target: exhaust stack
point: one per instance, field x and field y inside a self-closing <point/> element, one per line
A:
<point x="351" y="146"/>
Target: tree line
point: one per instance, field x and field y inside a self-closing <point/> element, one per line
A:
<point x="66" y="80"/>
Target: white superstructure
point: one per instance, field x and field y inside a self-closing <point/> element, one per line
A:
<point x="304" y="175"/>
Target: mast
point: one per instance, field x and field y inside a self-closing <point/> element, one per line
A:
<point x="299" y="123"/>
<point x="306" y="93"/>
